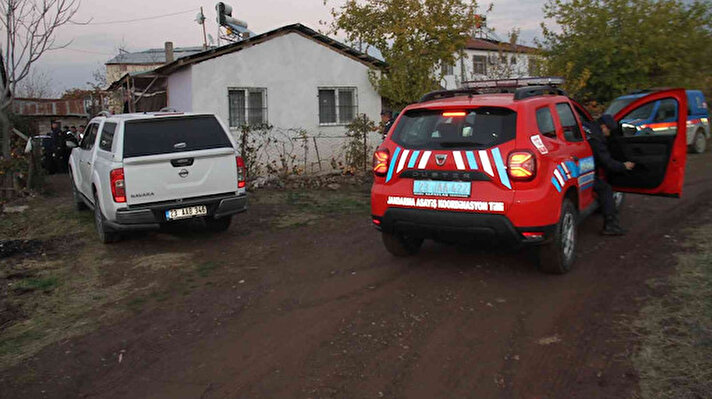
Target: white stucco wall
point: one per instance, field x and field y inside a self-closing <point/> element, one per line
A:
<point x="464" y="68"/>
<point x="292" y="68"/>
<point x="180" y="90"/>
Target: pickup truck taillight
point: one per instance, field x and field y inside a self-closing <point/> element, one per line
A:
<point x="241" y="174"/>
<point x="521" y="165"/>
<point x="380" y="162"/>
<point x="118" y="186"/>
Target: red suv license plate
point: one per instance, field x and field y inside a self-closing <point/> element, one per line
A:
<point x="438" y="188"/>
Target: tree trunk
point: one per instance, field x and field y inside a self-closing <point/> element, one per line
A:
<point x="5" y="133"/>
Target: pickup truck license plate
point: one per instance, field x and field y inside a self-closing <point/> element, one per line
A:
<point x="185" y="213"/>
<point x="442" y="188"/>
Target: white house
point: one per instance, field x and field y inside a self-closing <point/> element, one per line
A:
<point x="290" y="78"/>
<point x="490" y="59"/>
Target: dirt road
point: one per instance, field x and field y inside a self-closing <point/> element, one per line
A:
<point x="322" y="311"/>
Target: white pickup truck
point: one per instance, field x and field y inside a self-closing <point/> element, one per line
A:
<point x="138" y="171"/>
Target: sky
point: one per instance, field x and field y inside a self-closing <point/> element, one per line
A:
<point x="92" y="44"/>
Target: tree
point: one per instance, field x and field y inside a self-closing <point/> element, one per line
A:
<point x="37" y="84"/>
<point x="29" y="32"/>
<point x="414" y="36"/>
<point x="608" y="47"/>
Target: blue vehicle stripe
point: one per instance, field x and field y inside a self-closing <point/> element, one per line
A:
<point x="563" y="173"/>
<point x="500" y="168"/>
<point x="573" y="168"/>
<point x="396" y="153"/>
<point x="556" y="184"/>
<point x="471" y="159"/>
<point x="413" y="159"/>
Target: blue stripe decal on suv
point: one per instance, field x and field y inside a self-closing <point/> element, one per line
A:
<point x="500" y="168"/>
<point x="573" y="168"/>
<point x="471" y="160"/>
<point x="393" y="164"/>
<point x="556" y="184"/>
<point x="413" y="159"/>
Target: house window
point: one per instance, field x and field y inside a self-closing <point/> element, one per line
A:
<point x="534" y="66"/>
<point x="448" y="69"/>
<point x="247" y="107"/>
<point x="337" y="105"/>
<point x="479" y="64"/>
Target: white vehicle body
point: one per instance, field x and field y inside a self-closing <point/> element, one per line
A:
<point x="166" y="161"/>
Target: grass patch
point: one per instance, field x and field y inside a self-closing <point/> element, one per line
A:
<point x="675" y="356"/>
<point x="45" y="284"/>
<point x="206" y="268"/>
<point x="136" y="304"/>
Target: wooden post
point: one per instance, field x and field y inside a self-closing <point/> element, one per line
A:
<point x="318" y="157"/>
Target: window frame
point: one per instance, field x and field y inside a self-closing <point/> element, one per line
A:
<point x="113" y="135"/>
<point x="484" y="61"/>
<point x="552" y="134"/>
<point x="577" y="123"/>
<point x="246" y="92"/>
<point x="86" y="144"/>
<point x="336" y="90"/>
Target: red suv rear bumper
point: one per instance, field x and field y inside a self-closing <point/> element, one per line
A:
<point x="459" y="226"/>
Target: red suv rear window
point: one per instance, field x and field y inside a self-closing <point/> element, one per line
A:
<point x="482" y="127"/>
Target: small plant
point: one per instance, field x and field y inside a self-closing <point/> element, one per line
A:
<point x="357" y="151"/>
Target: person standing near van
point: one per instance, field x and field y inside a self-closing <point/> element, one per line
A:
<point x="597" y="134"/>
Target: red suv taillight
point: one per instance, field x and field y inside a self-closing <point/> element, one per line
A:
<point x="118" y="186"/>
<point x="521" y="165"/>
<point x="380" y="162"/>
<point x="241" y="174"/>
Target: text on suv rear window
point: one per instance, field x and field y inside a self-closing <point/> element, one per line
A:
<point x="169" y="135"/>
<point x="482" y="127"/>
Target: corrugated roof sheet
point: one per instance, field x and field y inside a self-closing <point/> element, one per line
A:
<point x="153" y="56"/>
<point x="495" y="45"/>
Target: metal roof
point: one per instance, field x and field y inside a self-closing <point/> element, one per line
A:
<point x="255" y="40"/>
<point x="153" y="56"/>
<point x="495" y="45"/>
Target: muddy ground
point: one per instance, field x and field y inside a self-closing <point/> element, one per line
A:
<point x="303" y="301"/>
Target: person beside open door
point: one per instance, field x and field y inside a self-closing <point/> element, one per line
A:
<point x="597" y="133"/>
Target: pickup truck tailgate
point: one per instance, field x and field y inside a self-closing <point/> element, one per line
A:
<point x="175" y="176"/>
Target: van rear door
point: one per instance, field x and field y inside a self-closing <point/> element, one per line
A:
<point x="167" y="159"/>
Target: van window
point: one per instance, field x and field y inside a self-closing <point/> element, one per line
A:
<point x="667" y="110"/>
<point x="545" y="122"/>
<point x="90" y="137"/>
<point x="572" y="132"/>
<point x="107" y="136"/>
<point x="175" y="134"/>
<point x="474" y="128"/>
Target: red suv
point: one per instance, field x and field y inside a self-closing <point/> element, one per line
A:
<point x="512" y="166"/>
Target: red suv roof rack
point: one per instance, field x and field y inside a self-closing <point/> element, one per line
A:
<point x="521" y="87"/>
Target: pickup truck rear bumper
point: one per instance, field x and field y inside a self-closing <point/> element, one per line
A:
<point x="149" y="217"/>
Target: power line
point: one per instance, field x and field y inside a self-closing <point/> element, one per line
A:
<point x="83" y="51"/>
<point x="127" y="21"/>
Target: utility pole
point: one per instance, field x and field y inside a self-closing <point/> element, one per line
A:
<point x="205" y="35"/>
<point x="200" y="19"/>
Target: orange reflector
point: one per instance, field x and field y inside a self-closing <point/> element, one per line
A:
<point x="449" y="114"/>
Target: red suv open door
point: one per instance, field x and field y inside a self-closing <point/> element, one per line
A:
<point x="658" y="150"/>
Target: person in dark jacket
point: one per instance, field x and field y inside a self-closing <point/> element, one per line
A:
<point x="386" y="121"/>
<point x="597" y="133"/>
<point x="53" y="148"/>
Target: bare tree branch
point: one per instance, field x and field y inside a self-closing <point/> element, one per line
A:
<point x="30" y="31"/>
